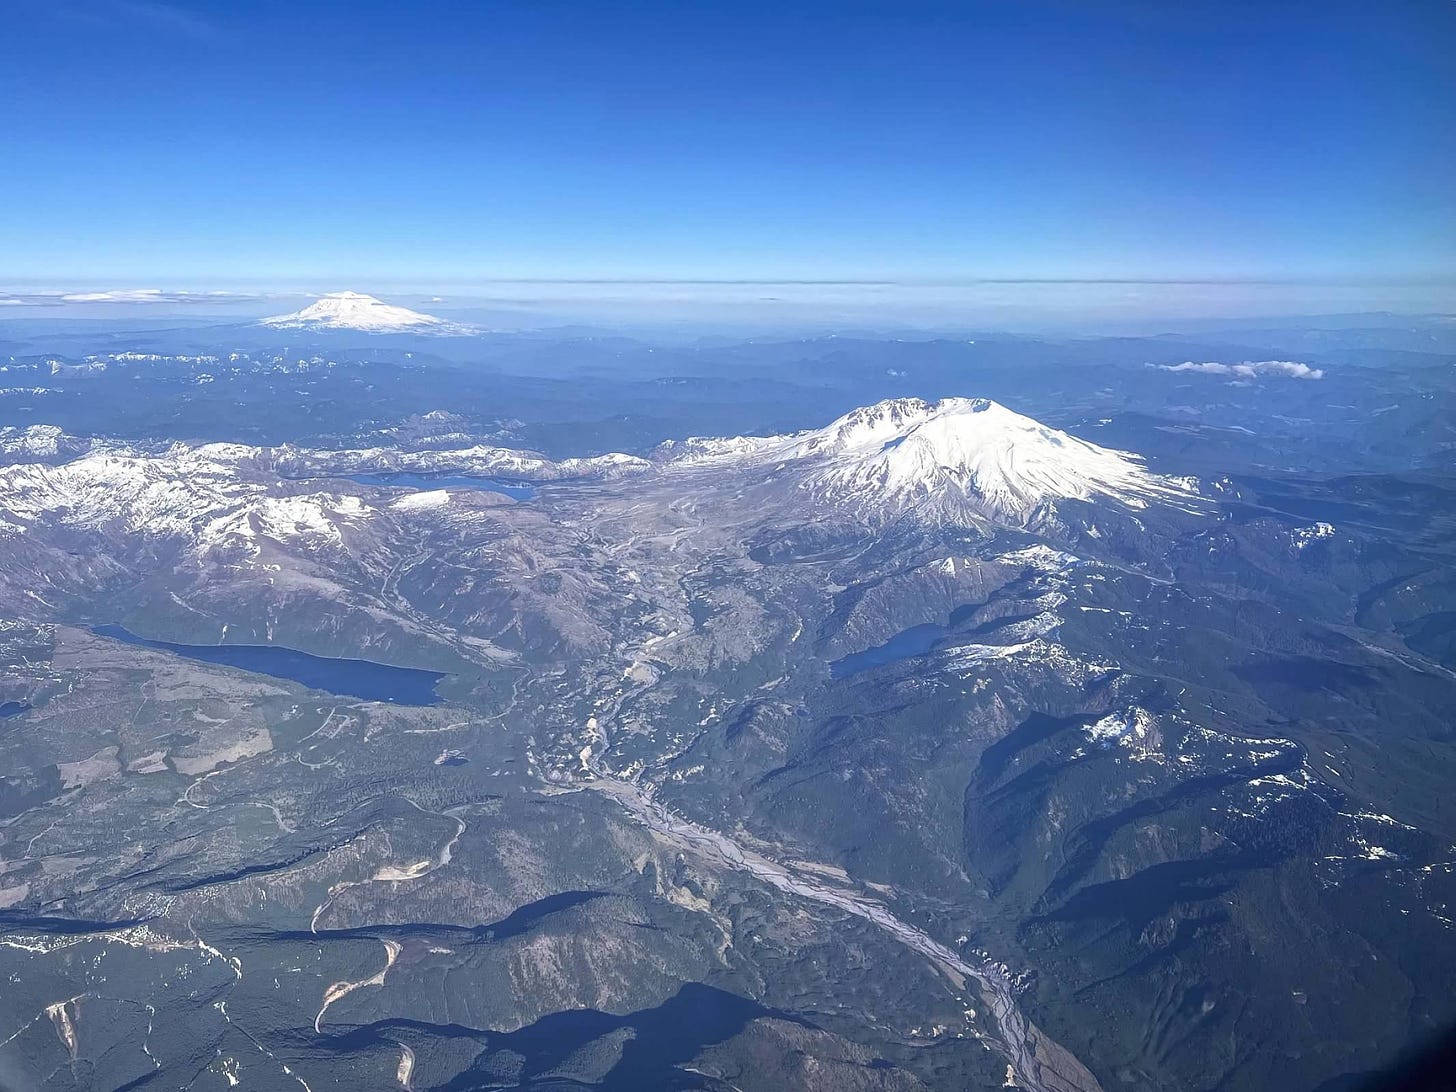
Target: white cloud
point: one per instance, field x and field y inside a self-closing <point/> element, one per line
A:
<point x="130" y="295"/>
<point x="125" y="295"/>
<point x="1249" y="369"/>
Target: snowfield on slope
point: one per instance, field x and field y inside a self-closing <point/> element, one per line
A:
<point x="942" y="459"/>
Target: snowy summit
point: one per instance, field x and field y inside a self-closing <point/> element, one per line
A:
<point x="357" y="311"/>
<point x="945" y="458"/>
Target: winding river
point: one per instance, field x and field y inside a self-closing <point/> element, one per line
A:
<point x="1038" y="1063"/>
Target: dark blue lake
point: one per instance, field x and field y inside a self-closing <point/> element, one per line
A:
<point x="915" y="641"/>
<point x="10" y="709"/>
<point x="353" y="678"/>
<point x="516" y="489"/>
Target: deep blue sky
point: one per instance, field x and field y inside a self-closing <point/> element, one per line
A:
<point x="439" y="144"/>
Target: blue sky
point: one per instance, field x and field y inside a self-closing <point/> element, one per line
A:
<point x="435" y="145"/>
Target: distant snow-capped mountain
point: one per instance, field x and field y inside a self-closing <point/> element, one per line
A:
<point x="357" y="311"/>
<point x="944" y="460"/>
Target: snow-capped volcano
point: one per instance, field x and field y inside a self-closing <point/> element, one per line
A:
<point x="946" y="459"/>
<point x="357" y="311"/>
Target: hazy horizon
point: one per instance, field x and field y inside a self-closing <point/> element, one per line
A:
<point x="738" y="306"/>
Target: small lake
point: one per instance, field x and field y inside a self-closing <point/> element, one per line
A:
<point x="517" y="490"/>
<point x="10" y="709"/>
<point x="918" y="640"/>
<point x="915" y="641"/>
<point x="362" y="679"/>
